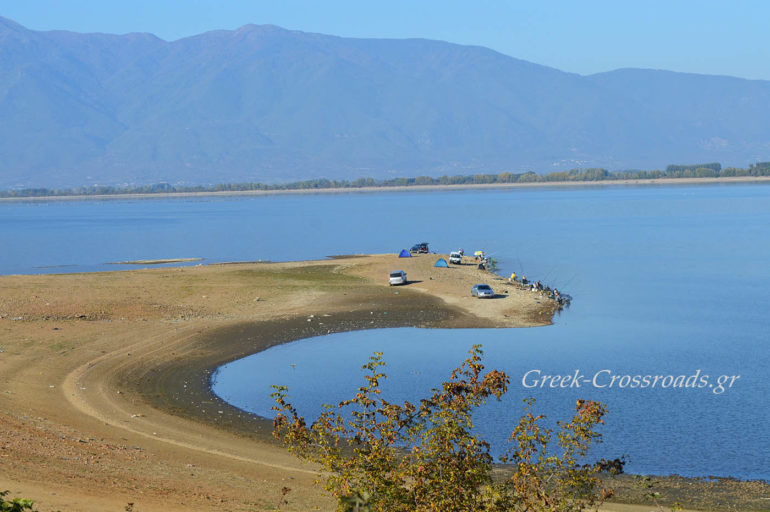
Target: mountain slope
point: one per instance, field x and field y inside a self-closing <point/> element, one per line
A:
<point x="266" y="104"/>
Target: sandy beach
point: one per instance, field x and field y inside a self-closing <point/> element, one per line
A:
<point x="104" y="377"/>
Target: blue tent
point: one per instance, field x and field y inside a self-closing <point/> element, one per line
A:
<point x="404" y="254"/>
<point x="441" y="263"/>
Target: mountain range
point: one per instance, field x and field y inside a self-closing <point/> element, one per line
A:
<point x="266" y="104"/>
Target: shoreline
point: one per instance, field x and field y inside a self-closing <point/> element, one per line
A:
<point x="105" y="377"/>
<point x="416" y="188"/>
<point x="179" y="386"/>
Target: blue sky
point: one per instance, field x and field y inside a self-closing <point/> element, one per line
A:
<point x="728" y="38"/>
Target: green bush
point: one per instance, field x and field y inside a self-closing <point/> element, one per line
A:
<point x="15" y="505"/>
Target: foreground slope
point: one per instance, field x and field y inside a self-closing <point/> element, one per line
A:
<point x="104" y="376"/>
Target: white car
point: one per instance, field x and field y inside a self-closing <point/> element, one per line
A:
<point x="397" y="277"/>
<point x="455" y="258"/>
<point x="482" y="291"/>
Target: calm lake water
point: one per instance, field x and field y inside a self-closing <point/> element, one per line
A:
<point x="665" y="280"/>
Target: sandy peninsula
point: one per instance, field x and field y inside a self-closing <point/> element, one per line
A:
<point x="104" y="396"/>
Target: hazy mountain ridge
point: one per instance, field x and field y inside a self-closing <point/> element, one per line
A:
<point x="261" y="103"/>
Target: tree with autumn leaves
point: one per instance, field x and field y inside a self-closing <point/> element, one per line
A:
<point x="387" y="457"/>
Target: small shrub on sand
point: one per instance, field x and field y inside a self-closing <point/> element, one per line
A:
<point x="15" y="505"/>
<point x="381" y="456"/>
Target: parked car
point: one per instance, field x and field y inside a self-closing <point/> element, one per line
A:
<point x="455" y="258"/>
<point x="482" y="291"/>
<point x="397" y="277"/>
<point x="421" y="248"/>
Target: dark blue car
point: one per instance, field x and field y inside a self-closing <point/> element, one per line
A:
<point x="421" y="248"/>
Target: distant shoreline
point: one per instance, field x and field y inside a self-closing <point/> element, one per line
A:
<point x="405" y="188"/>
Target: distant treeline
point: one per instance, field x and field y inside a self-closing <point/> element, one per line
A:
<point x="711" y="170"/>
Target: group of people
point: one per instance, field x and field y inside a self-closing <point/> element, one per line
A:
<point x="537" y="286"/>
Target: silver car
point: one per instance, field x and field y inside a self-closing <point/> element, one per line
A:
<point x="397" y="277"/>
<point x="482" y="291"/>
